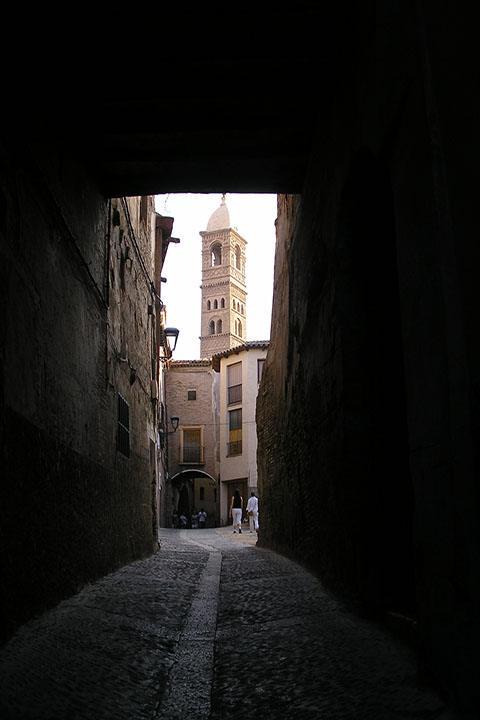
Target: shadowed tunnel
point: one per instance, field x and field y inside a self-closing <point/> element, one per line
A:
<point x="368" y="416"/>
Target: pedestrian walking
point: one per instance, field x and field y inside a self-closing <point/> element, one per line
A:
<point x="202" y="517"/>
<point x="194" y="520"/>
<point x="236" y="511"/>
<point x="252" y="510"/>
<point x="183" y="520"/>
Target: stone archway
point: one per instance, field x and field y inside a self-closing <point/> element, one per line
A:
<point x="192" y="482"/>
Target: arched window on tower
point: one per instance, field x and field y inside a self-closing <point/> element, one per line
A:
<point x="222" y="303"/>
<point x="234" y="304"/>
<point x="215" y="304"/>
<point x="216" y="251"/>
<point x="243" y="311"/>
<point x="239" y="333"/>
<point x="209" y="305"/>
<point x="238" y="258"/>
<point x="211" y="328"/>
<point x="219" y="327"/>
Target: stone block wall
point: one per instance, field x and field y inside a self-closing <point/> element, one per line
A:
<point x="368" y="409"/>
<point x="74" y="321"/>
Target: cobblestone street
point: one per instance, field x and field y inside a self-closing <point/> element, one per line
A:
<point x="210" y="627"/>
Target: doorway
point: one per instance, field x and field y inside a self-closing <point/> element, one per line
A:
<point x="242" y="487"/>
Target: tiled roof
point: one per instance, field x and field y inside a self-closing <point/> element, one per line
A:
<point x="205" y="362"/>
<point x="250" y="345"/>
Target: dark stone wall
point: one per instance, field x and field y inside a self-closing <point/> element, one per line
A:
<point x="65" y="520"/>
<point x="368" y="409"/>
<point x="71" y="507"/>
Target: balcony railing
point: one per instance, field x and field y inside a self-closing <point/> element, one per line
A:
<point x="192" y="454"/>
<point x="234" y="448"/>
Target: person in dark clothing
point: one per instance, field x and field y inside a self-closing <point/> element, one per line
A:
<point x="236" y="510"/>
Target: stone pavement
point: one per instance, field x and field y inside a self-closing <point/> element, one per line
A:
<point x="209" y="628"/>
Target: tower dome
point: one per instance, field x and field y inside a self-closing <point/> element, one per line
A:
<point x="220" y="219"/>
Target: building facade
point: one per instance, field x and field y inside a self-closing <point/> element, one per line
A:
<point x="224" y="294"/>
<point x="214" y="449"/>
<point x="240" y="371"/>
<point x="84" y="498"/>
<point x="192" y="391"/>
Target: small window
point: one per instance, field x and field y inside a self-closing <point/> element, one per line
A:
<point x="211" y="328"/>
<point x="216" y="254"/>
<point x="238" y="258"/>
<point x="219" y="327"/>
<point x="215" y="304"/>
<point x="234" y="383"/>
<point x="123" y="427"/>
<point x="234" y="446"/>
<point x="234" y="305"/>
<point x="191" y="394"/>
<point x="260" y="364"/>
<point x="222" y="303"/>
<point x="191" y="446"/>
<point x="209" y="305"/>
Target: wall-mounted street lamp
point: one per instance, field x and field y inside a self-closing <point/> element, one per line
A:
<point x="174" y="420"/>
<point x="171" y="332"/>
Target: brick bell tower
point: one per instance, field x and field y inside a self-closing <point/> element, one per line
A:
<point x="224" y="295"/>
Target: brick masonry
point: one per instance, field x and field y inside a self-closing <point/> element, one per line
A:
<point x="224" y="297"/>
<point x="202" y="413"/>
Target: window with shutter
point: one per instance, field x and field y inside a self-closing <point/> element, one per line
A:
<point x="192" y="450"/>
<point x="234" y="383"/>
<point x="235" y="432"/>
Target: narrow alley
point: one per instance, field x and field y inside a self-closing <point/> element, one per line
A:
<point x="209" y="627"/>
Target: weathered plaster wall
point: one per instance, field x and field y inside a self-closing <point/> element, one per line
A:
<point x="71" y="507"/>
<point x="245" y="464"/>
<point x="369" y="405"/>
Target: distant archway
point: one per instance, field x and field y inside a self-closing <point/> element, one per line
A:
<point x="198" y="489"/>
<point x="190" y="473"/>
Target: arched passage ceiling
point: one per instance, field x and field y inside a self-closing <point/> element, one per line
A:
<point x="230" y="128"/>
<point x="229" y="101"/>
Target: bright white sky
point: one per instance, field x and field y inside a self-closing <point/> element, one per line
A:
<point x="254" y="217"/>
